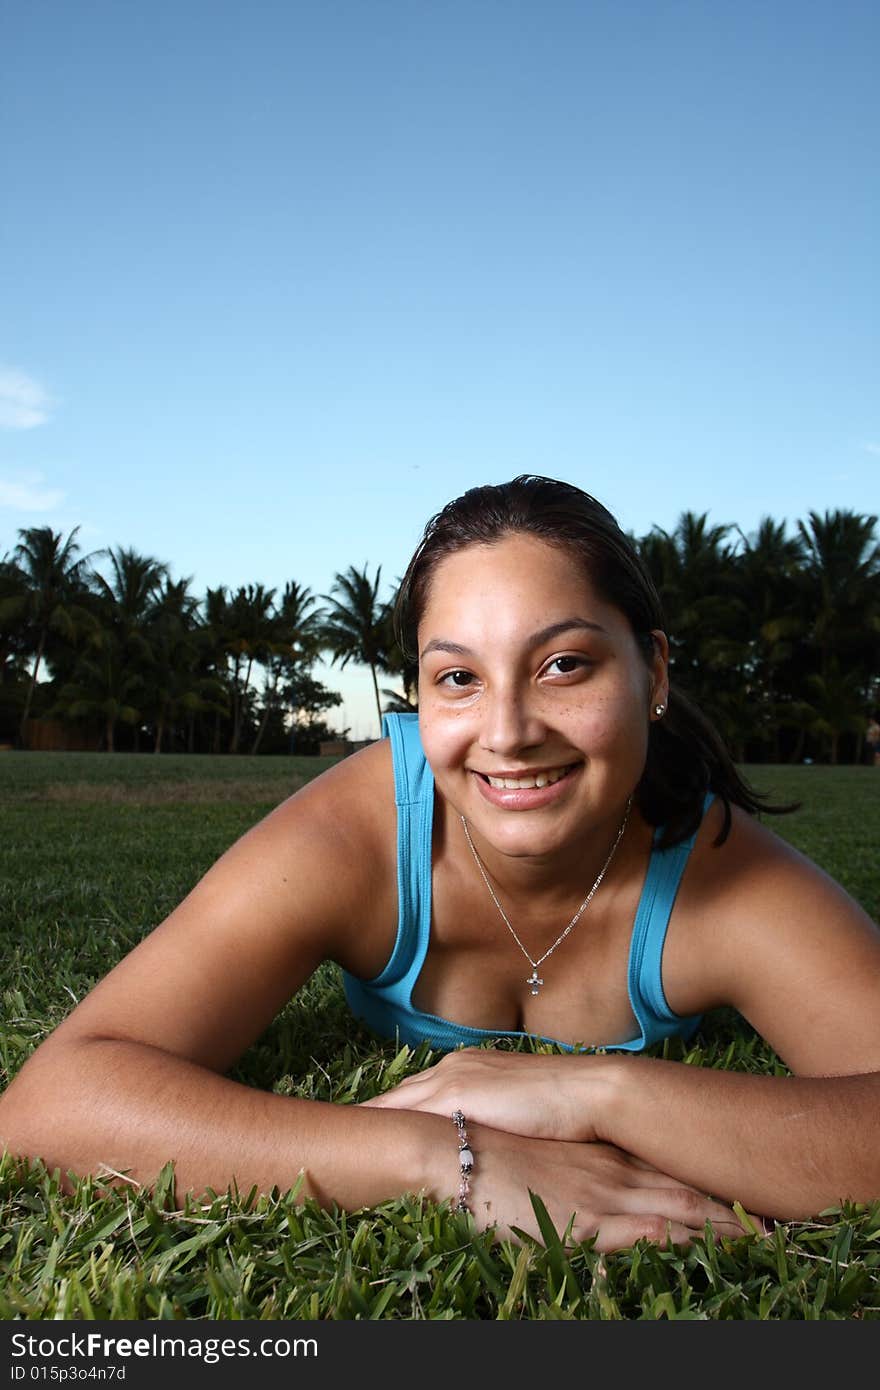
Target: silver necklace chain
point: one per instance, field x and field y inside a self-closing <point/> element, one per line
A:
<point x="533" y="980"/>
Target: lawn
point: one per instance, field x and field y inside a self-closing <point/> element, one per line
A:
<point x="95" y="850"/>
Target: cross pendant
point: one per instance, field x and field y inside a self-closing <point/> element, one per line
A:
<point x="534" y="981"/>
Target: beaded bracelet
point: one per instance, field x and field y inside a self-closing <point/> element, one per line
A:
<point x="465" y="1162"/>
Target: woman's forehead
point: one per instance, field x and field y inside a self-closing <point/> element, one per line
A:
<point x="518" y="573"/>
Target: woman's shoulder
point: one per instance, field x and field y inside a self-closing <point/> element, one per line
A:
<point x="753" y="900"/>
<point x="736" y="852"/>
<point x="326" y="857"/>
<point x="754" y="872"/>
<point x="329" y="847"/>
<point x="347" y="806"/>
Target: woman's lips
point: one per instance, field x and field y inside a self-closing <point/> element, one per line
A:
<point x="529" y="798"/>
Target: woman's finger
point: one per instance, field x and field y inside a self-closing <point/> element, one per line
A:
<point x="684" y="1205"/>
<point x="641" y="1174"/>
<point x="398" y="1099"/>
<point x="621" y="1232"/>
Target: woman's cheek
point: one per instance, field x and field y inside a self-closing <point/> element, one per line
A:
<point x="599" y="723"/>
<point x="615" y="726"/>
<point x="444" y="736"/>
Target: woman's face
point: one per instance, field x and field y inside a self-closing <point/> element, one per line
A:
<point x="534" y="698"/>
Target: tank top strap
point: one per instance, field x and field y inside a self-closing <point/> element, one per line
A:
<point x="644" y="977"/>
<point x="413" y="779"/>
<point x="414" y="795"/>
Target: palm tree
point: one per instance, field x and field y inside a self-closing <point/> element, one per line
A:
<point x="248" y="638"/>
<point x="294" y="643"/>
<point x="356" y="625"/>
<point x="132" y="586"/>
<point x="842" y="573"/>
<point x="840" y="597"/>
<point x="213" y="638"/>
<point x="836" y="705"/>
<point x="52" y="596"/>
<point x="767" y="581"/>
<point x="175" y="687"/>
<point x="13" y="604"/>
<point x="104" y="687"/>
<point x="694" y="569"/>
<point x="125" y="599"/>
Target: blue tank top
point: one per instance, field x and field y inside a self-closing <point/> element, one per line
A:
<point x="385" y="1002"/>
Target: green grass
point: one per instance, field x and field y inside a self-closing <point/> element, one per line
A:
<point x="143" y="777"/>
<point x="95" y="850"/>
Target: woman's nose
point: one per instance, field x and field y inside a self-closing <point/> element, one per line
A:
<point x="510" y="723"/>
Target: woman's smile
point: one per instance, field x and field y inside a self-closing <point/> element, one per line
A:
<point x="526" y="791"/>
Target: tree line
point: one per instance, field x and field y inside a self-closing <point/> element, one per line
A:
<point x="776" y="635"/>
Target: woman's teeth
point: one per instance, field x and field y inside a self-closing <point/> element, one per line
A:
<point x="541" y="779"/>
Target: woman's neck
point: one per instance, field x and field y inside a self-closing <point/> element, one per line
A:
<point x="559" y="877"/>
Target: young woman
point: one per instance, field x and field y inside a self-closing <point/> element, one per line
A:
<point x="557" y="846"/>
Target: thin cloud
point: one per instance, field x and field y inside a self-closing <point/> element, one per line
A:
<point x="24" y="403"/>
<point x="870" y="448"/>
<point x="27" y="493"/>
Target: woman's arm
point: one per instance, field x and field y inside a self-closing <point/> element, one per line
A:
<point x="110" y="1106"/>
<point x="115" y="1107"/>
<point x="772" y="935"/>
<point x="767" y="932"/>
<point x="784" y="1146"/>
<point x="134" y="1076"/>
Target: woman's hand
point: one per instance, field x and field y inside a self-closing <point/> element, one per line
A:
<point x="530" y="1117"/>
<point x="542" y="1095"/>
<point x="610" y="1195"/>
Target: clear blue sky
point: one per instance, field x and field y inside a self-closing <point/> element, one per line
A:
<point x="281" y="277"/>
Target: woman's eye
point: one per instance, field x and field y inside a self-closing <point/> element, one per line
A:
<point x="566" y="665"/>
<point x="459" y="679"/>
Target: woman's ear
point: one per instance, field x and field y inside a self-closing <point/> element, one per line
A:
<point x="659" y="675"/>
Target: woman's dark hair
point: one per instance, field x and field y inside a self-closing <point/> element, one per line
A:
<point x="686" y="756"/>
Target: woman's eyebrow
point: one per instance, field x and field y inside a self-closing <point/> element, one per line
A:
<point x="537" y="639"/>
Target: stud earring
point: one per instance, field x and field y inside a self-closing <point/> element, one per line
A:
<point x="659" y="710"/>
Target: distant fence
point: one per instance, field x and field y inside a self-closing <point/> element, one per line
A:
<point x="51" y="736"/>
<point x="341" y="747"/>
